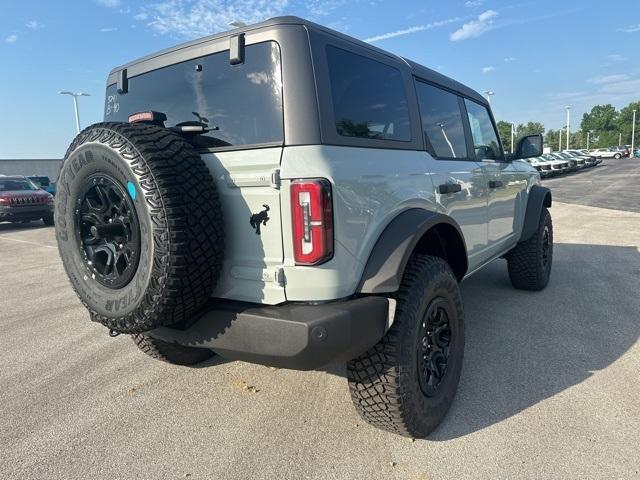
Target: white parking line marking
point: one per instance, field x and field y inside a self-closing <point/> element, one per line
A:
<point x="2" y="237"/>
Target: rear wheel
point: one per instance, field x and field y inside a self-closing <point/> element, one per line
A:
<point x="617" y="156"/>
<point x="171" y="352"/>
<point x="405" y="384"/>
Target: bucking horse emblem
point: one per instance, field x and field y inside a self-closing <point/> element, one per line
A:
<point x="260" y="218"/>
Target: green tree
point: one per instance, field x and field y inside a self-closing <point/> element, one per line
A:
<point x="579" y="139"/>
<point x="624" y="122"/>
<point x="602" y="122"/>
<point x="530" y="128"/>
<point x="551" y="139"/>
<point x="504" y="130"/>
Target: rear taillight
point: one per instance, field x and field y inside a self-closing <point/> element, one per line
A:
<point x="4" y="201"/>
<point x="312" y="218"/>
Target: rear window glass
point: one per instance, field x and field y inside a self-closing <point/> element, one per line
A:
<point x="244" y="101"/>
<point x="441" y="122"/>
<point x="369" y="99"/>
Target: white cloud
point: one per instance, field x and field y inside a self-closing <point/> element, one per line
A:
<point x="12" y="38"/>
<point x="609" y="79"/>
<point x="473" y="3"/>
<point x="34" y="25"/>
<point x="417" y="28"/>
<point x="109" y="3"/>
<point x="109" y="29"/>
<point x="475" y="28"/>
<point x="258" y="78"/>
<point x="510" y="59"/>
<point x="616" y="57"/>
<point x="199" y="18"/>
<point x="488" y="69"/>
<point x="322" y="8"/>
<point x="141" y="16"/>
<point x="630" y="28"/>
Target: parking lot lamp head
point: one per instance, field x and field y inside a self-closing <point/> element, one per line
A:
<point x="488" y="94"/>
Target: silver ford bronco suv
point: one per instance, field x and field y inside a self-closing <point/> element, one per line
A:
<point x="287" y="195"/>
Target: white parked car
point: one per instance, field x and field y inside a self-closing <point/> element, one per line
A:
<point x="605" y="153"/>
<point x="544" y="168"/>
<point x="558" y="167"/>
<point x="589" y="160"/>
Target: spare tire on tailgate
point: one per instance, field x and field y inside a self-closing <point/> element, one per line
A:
<point x="139" y="226"/>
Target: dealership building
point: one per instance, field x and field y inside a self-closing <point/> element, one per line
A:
<point x="47" y="167"/>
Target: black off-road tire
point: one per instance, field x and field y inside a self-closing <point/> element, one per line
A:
<point x="176" y="204"/>
<point x="170" y="352"/>
<point x="48" y="220"/>
<point x="384" y="382"/>
<point x="530" y="262"/>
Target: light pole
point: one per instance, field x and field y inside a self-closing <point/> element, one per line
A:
<point x="560" y="140"/>
<point x="488" y="94"/>
<point x="568" y="129"/>
<point x="75" y="104"/>
<point x="513" y="128"/>
<point x="588" y="140"/>
<point x="620" y="138"/>
<point x="633" y="133"/>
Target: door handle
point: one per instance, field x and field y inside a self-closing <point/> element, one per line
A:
<point x="449" y="188"/>
<point x="495" y="183"/>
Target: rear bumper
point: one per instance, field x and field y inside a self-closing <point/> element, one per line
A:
<point x="295" y="336"/>
<point x="16" y="214"/>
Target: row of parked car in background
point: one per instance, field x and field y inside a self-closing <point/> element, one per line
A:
<point x="558" y="163"/>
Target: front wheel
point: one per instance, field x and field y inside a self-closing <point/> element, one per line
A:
<point x="530" y="261"/>
<point x="48" y="220"/>
<point x="617" y="156"/>
<point x="405" y="384"/>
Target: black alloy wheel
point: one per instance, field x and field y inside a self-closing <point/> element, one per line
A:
<point x="434" y="341"/>
<point x="108" y="231"/>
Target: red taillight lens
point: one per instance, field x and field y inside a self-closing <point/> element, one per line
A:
<point x="4" y="201"/>
<point x="312" y="216"/>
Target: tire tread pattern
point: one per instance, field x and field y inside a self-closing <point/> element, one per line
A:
<point x="169" y="352"/>
<point x="524" y="261"/>
<point x="186" y="219"/>
<point x="381" y="385"/>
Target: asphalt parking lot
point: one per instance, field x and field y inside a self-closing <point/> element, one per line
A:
<point x="550" y="386"/>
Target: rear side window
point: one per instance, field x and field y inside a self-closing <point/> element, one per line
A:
<point x="244" y="101"/>
<point x="485" y="137"/>
<point x="441" y="122"/>
<point x="369" y="98"/>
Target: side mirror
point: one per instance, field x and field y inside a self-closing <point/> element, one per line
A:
<point x="528" y="147"/>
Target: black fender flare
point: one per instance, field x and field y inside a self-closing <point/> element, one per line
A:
<point x="389" y="256"/>
<point x="539" y="197"/>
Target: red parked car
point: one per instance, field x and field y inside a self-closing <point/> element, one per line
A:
<point x="22" y="201"/>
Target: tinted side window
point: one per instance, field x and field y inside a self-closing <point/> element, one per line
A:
<point x="485" y="138"/>
<point x="244" y="101"/>
<point x="369" y="98"/>
<point x="441" y="122"/>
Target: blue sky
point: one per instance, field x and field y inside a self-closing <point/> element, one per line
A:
<point x="537" y="56"/>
